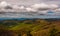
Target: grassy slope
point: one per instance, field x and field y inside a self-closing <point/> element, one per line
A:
<point x="37" y="28"/>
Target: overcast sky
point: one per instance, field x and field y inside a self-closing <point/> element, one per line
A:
<point x="35" y="5"/>
<point x="39" y="6"/>
<point x="29" y="2"/>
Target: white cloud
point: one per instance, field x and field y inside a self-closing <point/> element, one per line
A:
<point x="4" y="4"/>
<point x="53" y="6"/>
<point x="30" y="9"/>
<point x="43" y="6"/>
<point x="57" y="10"/>
<point x="15" y="7"/>
<point x="40" y="6"/>
<point x="22" y="7"/>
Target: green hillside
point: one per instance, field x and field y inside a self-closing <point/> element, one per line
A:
<point x="39" y="27"/>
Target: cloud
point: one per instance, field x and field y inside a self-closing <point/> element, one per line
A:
<point x="15" y="7"/>
<point x="57" y="10"/>
<point x="53" y="6"/>
<point x="41" y="7"/>
<point x="8" y="7"/>
<point x="4" y="4"/>
<point x="38" y="7"/>
<point x="42" y="12"/>
<point x="18" y="7"/>
<point x="30" y="9"/>
<point x="22" y="7"/>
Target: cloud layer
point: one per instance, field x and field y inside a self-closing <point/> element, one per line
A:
<point x="40" y="8"/>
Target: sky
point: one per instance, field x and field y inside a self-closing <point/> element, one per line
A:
<point x="35" y="6"/>
<point x="29" y="2"/>
<point x="30" y="5"/>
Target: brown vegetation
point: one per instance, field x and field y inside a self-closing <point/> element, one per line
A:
<point x="30" y="28"/>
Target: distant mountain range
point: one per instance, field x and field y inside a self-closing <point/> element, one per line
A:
<point x="28" y="19"/>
